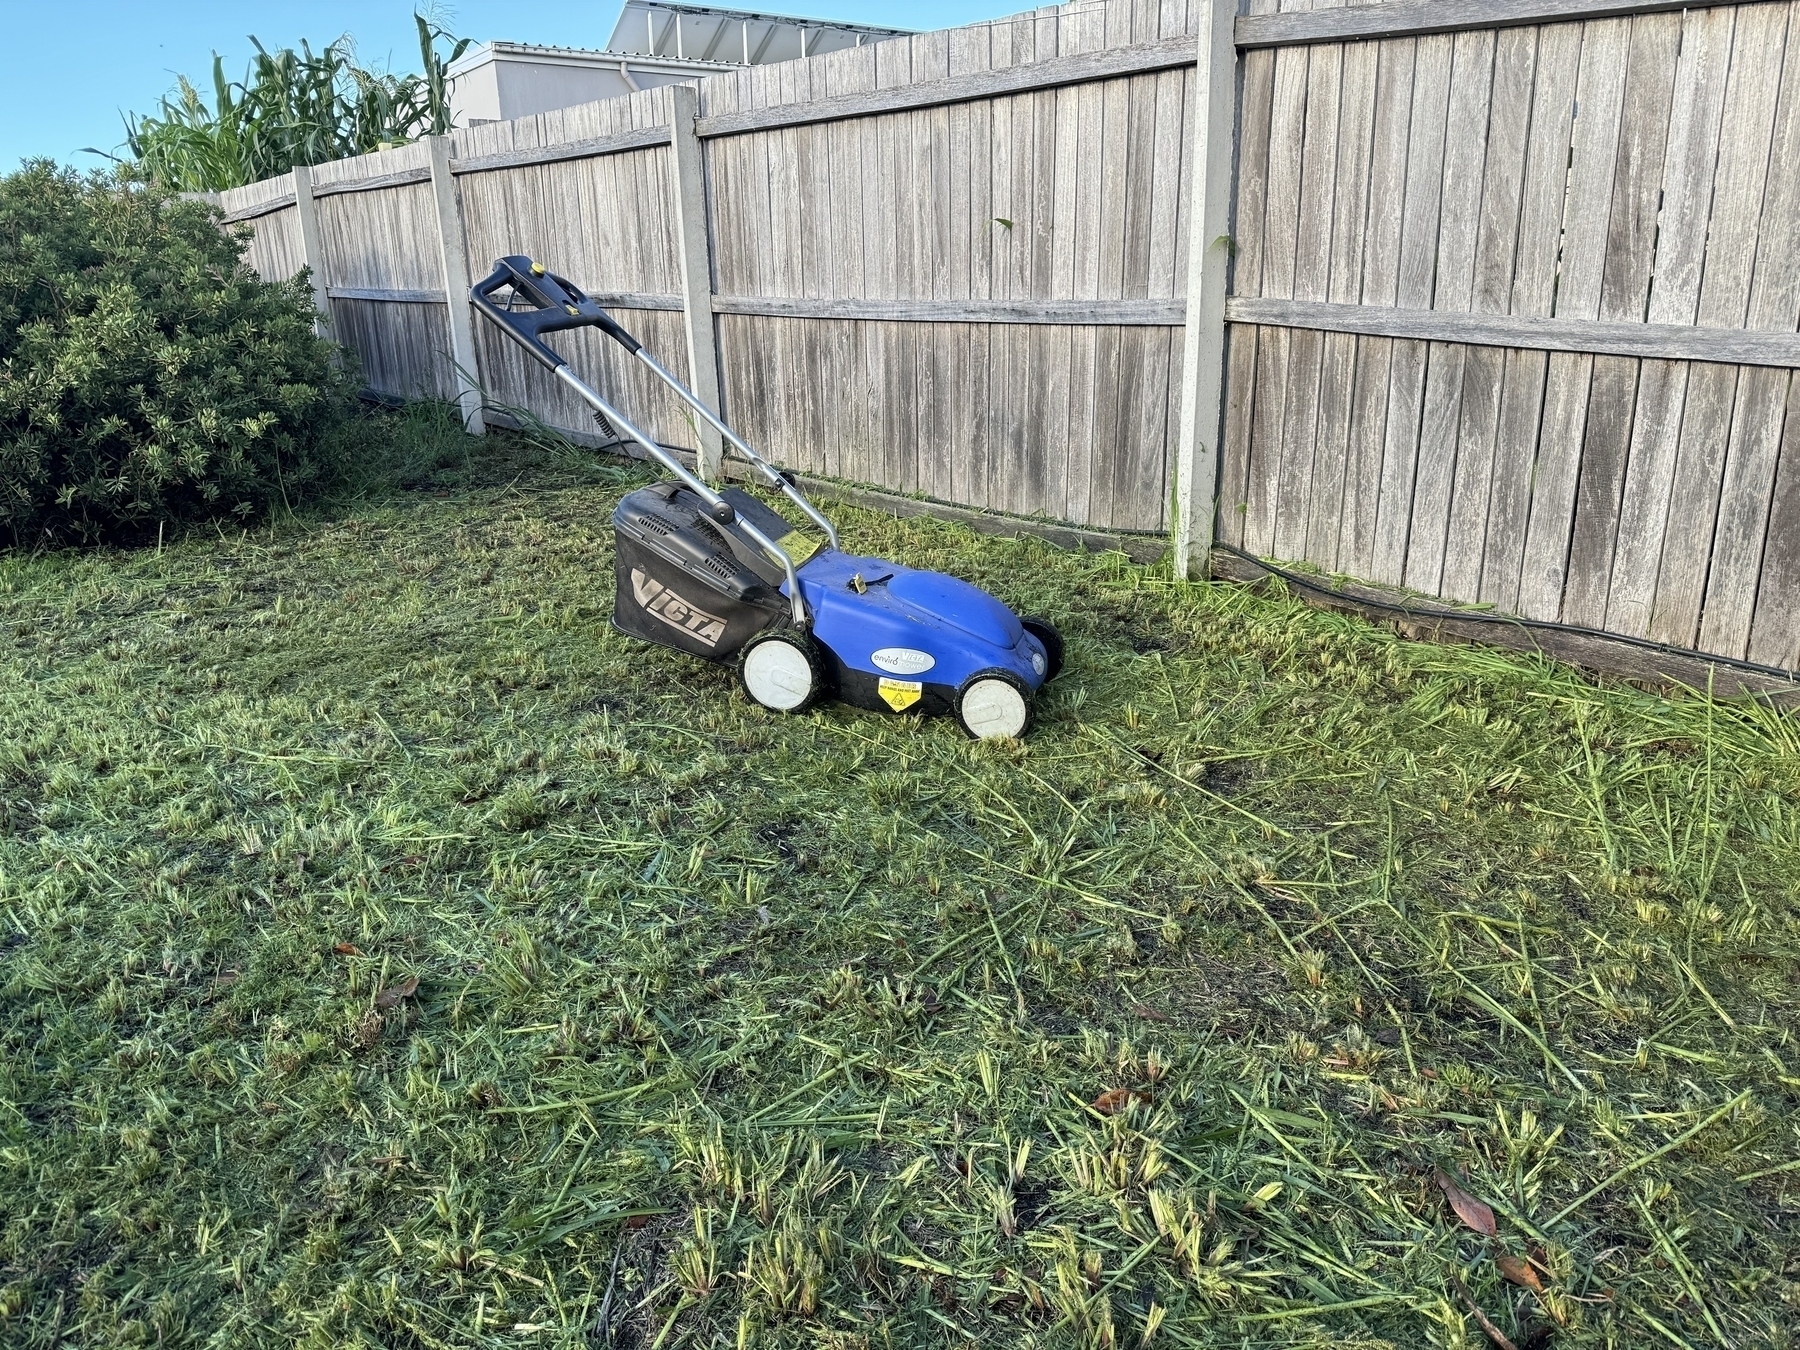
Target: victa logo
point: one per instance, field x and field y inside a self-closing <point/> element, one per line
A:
<point x="660" y="602"/>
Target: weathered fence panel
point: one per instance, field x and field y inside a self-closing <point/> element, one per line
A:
<point x="1514" y="296"/>
<point x="950" y="264"/>
<point x="1635" y="171"/>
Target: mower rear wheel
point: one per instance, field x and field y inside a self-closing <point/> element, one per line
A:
<point x="1045" y="632"/>
<point x="994" y="703"/>
<point x="783" y="672"/>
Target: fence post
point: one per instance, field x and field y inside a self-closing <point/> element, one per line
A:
<point x="453" y="249"/>
<point x="306" y="211"/>
<point x="1203" y="347"/>
<point x="696" y="270"/>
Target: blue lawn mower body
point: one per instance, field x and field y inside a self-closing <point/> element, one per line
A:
<point x="721" y="575"/>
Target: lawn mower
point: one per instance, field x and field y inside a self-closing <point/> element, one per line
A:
<point x="722" y="576"/>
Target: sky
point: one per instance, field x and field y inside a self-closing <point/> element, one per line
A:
<point x="70" y="68"/>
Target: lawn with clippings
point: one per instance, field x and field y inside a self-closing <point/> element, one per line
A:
<point x="392" y="955"/>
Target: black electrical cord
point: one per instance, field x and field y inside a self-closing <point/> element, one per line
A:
<point x="1507" y="620"/>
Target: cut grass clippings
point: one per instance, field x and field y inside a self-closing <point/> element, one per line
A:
<point x="396" y="956"/>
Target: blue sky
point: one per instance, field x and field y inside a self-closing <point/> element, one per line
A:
<point x="68" y="69"/>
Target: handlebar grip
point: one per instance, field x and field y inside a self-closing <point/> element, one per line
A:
<point x="557" y="304"/>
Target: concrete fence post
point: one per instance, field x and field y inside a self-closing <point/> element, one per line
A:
<point x="453" y="250"/>
<point x="695" y="236"/>
<point x="306" y="211"/>
<point x="1209" y="245"/>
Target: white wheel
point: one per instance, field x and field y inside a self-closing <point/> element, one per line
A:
<point x="993" y="706"/>
<point x="780" y="674"/>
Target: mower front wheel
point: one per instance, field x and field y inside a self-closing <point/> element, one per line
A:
<point x="994" y="703"/>
<point x="783" y="672"/>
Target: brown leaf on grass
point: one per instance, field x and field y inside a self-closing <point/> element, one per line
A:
<point x="346" y="949"/>
<point x="1520" y="1272"/>
<point x="1470" y="1210"/>
<point x="1114" y="1100"/>
<point x="396" y="994"/>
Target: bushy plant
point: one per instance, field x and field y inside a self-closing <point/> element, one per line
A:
<point x="146" y="374"/>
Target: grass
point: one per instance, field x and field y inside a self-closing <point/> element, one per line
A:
<point x="738" y="1030"/>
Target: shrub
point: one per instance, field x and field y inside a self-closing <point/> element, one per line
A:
<point x="146" y="374"/>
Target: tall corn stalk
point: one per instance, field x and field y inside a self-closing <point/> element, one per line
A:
<point x="292" y="107"/>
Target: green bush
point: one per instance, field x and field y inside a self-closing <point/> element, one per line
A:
<point x="146" y="374"/>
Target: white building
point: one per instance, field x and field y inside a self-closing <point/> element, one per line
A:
<point x="653" y="44"/>
<point x="498" y="81"/>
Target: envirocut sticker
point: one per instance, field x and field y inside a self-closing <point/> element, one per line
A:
<point x="903" y="660"/>
<point x="899" y="694"/>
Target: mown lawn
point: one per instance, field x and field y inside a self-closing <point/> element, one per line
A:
<point x="790" y="1028"/>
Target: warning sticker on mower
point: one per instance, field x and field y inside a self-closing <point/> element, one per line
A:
<point x="658" y="601"/>
<point x="903" y="660"/>
<point x="798" y="546"/>
<point x="900" y="694"/>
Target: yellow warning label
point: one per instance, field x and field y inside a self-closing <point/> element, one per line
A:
<point x="900" y="694"/>
<point x="798" y="546"/>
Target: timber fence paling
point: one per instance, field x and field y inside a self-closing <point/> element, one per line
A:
<point x="1426" y="350"/>
<point x="1562" y="438"/>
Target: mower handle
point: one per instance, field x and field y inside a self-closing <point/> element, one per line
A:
<point x="559" y="304"/>
<point x="556" y="304"/>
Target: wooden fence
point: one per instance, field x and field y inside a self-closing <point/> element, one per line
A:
<point x="950" y="264"/>
<point x="1515" y="308"/>
<point x="1513" y="284"/>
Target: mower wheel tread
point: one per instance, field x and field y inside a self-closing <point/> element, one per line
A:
<point x="771" y="679"/>
<point x="993" y="703"/>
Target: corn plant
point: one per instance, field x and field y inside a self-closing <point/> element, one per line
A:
<point x="292" y="107"/>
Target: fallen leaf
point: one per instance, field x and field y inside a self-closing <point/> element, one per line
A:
<point x="396" y="994"/>
<point x="1114" y="1100"/>
<point x="346" y="949"/>
<point x="1149" y="1014"/>
<point x="1520" y="1272"/>
<point x="1470" y="1210"/>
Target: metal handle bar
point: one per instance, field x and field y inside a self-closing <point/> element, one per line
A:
<point x="556" y="303"/>
<point x="559" y="305"/>
<point x="721" y="509"/>
<point x="776" y="478"/>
